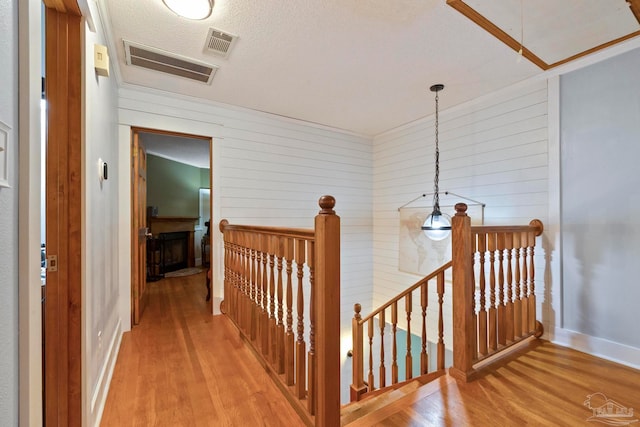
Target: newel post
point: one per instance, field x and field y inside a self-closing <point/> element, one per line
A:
<point x="463" y="295"/>
<point x="357" y="385"/>
<point x="327" y="285"/>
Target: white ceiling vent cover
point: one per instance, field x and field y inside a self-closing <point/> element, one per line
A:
<point x="167" y="62"/>
<point x="219" y="43"/>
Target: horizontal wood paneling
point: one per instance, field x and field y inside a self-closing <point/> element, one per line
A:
<point x="494" y="152"/>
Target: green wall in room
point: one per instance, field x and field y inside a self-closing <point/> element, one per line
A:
<point x="204" y="178"/>
<point x="173" y="186"/>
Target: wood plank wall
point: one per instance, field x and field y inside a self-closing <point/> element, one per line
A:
<point x="493" y="150"/>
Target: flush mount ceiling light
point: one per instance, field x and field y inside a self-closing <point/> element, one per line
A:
<point x="437" y="226"/>
<point x="190" y="9"/>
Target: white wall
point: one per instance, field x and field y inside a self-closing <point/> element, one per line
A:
<point x="101" y="320"/>
<point x="493" y="150"/>
<point x="599" y="152"/>
<point x="9" y="216"/>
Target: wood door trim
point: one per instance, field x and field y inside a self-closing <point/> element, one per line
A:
<point x="63" y="350"/>
<point x="64" y="6"/>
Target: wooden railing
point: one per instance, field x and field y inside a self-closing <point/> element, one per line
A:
<point x="376" y="323"/>
<point x="493" y="306"/>
<point x="266" y="269"/>
<point x="494" y="302"/>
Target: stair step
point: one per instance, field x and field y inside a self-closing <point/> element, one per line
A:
<point x="373" y="414"/>
<point x="355" y="410"/>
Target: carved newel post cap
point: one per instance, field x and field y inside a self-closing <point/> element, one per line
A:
<point x="357" y="308"/>
<point x="327" y="204"/>
<point x="223" y="224"/>
<point x="538" y="225"/>
<point x="461" y="209"/>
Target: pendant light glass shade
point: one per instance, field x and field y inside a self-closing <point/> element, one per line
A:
<point x="437" y="226"/>
<point x="191" y="9"/>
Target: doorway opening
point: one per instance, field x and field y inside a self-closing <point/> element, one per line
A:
<point x="170" y="218"/>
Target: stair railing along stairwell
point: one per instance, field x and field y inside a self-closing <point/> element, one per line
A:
<point x="490" y="314"/>
<point x="488" y="321"/>
<point x="260" y="287"/>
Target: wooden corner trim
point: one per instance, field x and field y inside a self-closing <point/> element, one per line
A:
<point x="491" y="28"/>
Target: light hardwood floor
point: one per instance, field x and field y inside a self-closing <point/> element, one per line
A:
<point x="184" y="367"/>
<point x="542" y="385"/>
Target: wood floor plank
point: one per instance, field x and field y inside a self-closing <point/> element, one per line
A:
<point x="184" y="367"/>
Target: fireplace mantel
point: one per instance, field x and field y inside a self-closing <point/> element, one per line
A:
<point x="169" y="224"/>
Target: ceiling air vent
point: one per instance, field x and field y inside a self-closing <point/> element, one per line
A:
<point x="219" y="43"/>
<point x="166" y="62"/>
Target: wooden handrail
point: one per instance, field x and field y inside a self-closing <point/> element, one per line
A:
<point x="296" y="233"/>
<point x="409" y="290"/>
<point x="265" y="271"/>
<point x="359" y="386"/>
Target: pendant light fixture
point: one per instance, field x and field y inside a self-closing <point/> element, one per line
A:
<point x="437" y="226"/>
<point x="190" y="9"/>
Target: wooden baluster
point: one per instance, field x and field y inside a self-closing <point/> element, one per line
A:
<point x="524" y="319"/>
<point x="227" y="290"/>
<point x="357" y="386"/>
<point x="370" y="378"/>
<point x="254" y="291"/>
<point x="311" y="360"/>
<point x="234" y="273"/>
<point x="246" y="284"/>
<point x="493" y="337"/>
<point x="265" y="296"/>
<point x="383" y="371"/>
<point x="441" y="348"/>
<point x="394" y="352"/>
<point x="259" y="307"/>
<point x="474" y="315"/>
<point x="517" y="303"/>
<point x="509" y="306"/>
<point x="301" y="369"/>
<point x="272" y="300"/>
<point x="482" y="315"/>
<point x="502" y="303"/>
<point x="424" y="301"/>
<point x="239" y="270"/>
<point x="280" y="332"/>
<point x="532" y="294"/>
<point x="408" y="357"/>
<point x="289" y="335"/>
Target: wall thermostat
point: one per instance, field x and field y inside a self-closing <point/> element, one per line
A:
<point x="103" y="170"/>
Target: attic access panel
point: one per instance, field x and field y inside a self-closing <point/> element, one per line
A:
<point x="555" y="32"/>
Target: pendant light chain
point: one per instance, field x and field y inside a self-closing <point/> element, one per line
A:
<point x="436" y="194"/>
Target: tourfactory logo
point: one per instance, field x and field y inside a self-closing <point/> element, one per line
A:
<point x="608" y="411"/>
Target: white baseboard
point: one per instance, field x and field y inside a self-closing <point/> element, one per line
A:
<point x="99" y="397"/>
<point x="216" y="305"/>
<point x="599" y="347"/>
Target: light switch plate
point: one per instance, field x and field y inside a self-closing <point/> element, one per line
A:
<point x="101" y="60"/>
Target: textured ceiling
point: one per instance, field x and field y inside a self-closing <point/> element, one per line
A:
<point x="360" y="65"/>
